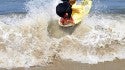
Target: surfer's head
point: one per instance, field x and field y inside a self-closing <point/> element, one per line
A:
<point x="64" y="8"/>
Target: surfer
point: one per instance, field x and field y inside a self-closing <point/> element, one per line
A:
<point x="64" y="10"/>
<point x="72" y="11"/>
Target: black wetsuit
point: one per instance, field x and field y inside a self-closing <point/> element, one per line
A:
<point x="64" y="8"/>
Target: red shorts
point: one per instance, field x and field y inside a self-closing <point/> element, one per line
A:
<point x="66" y="21"/>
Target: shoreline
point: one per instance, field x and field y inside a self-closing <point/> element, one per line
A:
<point x="117" y="64"/>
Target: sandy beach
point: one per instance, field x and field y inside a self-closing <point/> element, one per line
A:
<point x="70" y="65"/>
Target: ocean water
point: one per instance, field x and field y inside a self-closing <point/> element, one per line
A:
<point x="30" y="34"/>
<point x="12" y="6"/>
<point x="105" y="6"/>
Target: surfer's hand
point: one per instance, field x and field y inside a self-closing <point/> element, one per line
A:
<point x="75" y="10"/>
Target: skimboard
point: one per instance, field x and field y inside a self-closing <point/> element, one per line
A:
<point x="79" y="11"/>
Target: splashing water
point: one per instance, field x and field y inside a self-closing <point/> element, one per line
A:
<point x="36" y="39"/>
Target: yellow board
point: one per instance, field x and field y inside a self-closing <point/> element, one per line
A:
<point x="80" y="10"/>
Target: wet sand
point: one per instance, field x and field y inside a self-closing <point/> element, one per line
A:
<point x="70" y="65"/>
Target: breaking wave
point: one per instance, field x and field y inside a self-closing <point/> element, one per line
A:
<point x="36" y="38"/>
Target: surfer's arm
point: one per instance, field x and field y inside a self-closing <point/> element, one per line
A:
<point x="75" y="10"/>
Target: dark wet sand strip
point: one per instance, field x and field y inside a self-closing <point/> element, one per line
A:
<point x="70" y="65"/>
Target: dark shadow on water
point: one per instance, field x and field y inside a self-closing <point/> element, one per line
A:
<point x="57" y="31"/>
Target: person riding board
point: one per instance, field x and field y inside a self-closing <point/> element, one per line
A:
<point x="64" y="10"/>
<point x="72" y="12"/>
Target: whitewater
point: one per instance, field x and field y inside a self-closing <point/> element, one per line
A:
<point x="35" y="38"/>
